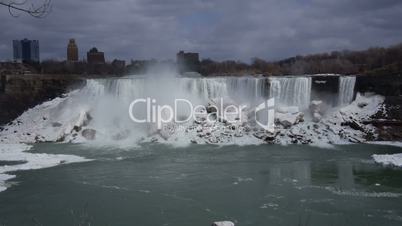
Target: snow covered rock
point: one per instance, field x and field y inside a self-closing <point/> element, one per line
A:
<point x="66" y="119"/>
<point x="316" y="110"/>
<point x="211" y="108"/>
<point x="288" y="119"/>
<point x="316" y="104"/>
<point x="291" y="109"/>
<point x="317" y="117"/>
<point x="89" y="134"/>
<point x="353" y="124"/>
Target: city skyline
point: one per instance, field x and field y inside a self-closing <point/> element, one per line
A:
<point x="219" y="30"/>
<point x="21" y="53"/>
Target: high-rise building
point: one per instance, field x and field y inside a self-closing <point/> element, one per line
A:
<point x="95" y="57"/>
<point x="26" y="50"/>
<point x="72" y="51"/>
<point x="17" y="49"/>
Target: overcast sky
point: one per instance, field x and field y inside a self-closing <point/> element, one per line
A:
<point x="217" y="29"/>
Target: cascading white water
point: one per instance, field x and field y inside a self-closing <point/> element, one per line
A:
<point x="201" y="89"/>
<point x="291" y="91"/>
<point x="103" y="104"/>
<point x="247" y="88"/>
<point x="100" y="110"/>
<point x="204" y="88"/>
<point x="288" y="91"/>
<point x="346" y="90"/>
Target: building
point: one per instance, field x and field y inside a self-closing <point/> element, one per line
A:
<point x="26" y="51"/>
<point x="72" y="51"/>
<point x="188" y="61"/>
<point x="119" y="63"/>
<point x="118" y="67"/>
<point x="95" y="57"/>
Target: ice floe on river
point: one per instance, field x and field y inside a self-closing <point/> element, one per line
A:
<point x="391" y="160"/>
<point x="20" y="159"/>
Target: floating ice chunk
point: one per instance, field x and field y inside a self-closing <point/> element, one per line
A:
<point x="395" y="160"/>
<point x="16" y="152"/>
<point x="223" y="223"/>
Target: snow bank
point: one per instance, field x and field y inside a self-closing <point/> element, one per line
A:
<point x="363" y="107"/>
<point x="393" y="160"/>
<point x="30" y="161"/>
<point x="36" y="124"/>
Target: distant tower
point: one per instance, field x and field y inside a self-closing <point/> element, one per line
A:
<point x="72" y="51"/>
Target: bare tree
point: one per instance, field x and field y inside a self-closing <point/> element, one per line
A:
<point x="15" y="7"/>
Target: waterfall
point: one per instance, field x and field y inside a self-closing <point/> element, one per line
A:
<point x="291" y="91"/>
<point x="107" y="100"/>
<point x="106" y="106"/>
<point x="346" y="90"/>
<point x="287" y="91"/>
<point x="246" y="89"/>
<point x="243" y="89"/>
<point x="197" y="90"/>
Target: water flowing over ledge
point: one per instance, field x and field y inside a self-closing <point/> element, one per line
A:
<point x="98" y="113"/>
<point x="346" y="90"/>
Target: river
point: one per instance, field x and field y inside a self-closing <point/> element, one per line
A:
<point x="158" y="184"/>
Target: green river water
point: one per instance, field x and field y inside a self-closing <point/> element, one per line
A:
<point x="196" y="185"/>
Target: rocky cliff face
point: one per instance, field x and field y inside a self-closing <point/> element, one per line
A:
<point x="387" y="85"/>
<point x="389" y="120"/>
<point x="21" y="92"/>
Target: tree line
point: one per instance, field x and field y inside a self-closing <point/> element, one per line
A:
<point x="374" y="61"/>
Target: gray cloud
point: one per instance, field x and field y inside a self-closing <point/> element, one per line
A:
<point x="224" y="29"/>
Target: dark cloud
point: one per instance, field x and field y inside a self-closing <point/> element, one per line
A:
<point x="224" y="29"/>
